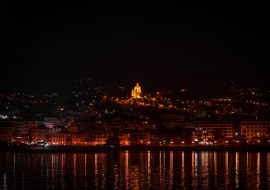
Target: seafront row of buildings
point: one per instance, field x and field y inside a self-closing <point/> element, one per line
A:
<point x="92" y="132"/>
<point x="75" y="133"/>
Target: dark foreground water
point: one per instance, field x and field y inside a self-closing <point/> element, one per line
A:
<point x="135" y="170"/>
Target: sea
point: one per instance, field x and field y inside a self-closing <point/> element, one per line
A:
<point x="136" y="170"/>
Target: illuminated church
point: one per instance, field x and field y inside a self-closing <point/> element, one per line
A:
<point x="136" y="92"/>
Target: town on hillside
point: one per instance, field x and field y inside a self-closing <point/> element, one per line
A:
<point x="110" y="115"/>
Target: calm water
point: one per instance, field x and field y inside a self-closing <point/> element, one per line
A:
<point x="135" y="170"/>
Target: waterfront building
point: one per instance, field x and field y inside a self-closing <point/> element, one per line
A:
<point x="79" y="139"/>
<point x="68" y="139"/>
<point x="140" y="138"/>
<point x="99" y="137"/>
<point x="112" y="142"/>
<point x="39" y="134"/>
<point x="7" y="131"/>
<point x="124" y="136"/>
<point x="208" y="129"/>
<point x="153" y="137"/>
<point x="250" y="129"/>
<point x="21" y="139"/>
<point x="92" y="138"/>
<point x="63" y="138"/>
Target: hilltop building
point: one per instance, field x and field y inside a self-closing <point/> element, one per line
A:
<point x="136" y="92"/>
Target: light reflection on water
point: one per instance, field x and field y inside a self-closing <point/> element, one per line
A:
<point x="136" y="170"/>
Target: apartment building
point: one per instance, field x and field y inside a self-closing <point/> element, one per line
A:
<point x="207" y="128"/>
<point x="255" y="128"/>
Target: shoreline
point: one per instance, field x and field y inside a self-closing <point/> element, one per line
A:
<point x="85" y="149"/>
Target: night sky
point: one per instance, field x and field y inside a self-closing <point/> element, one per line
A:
<point x="160" y="46"/>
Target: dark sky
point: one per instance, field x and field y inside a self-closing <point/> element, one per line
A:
<point x="156" y="45"/>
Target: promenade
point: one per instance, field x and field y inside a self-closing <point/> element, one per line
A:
<point x="103" y="149"/>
